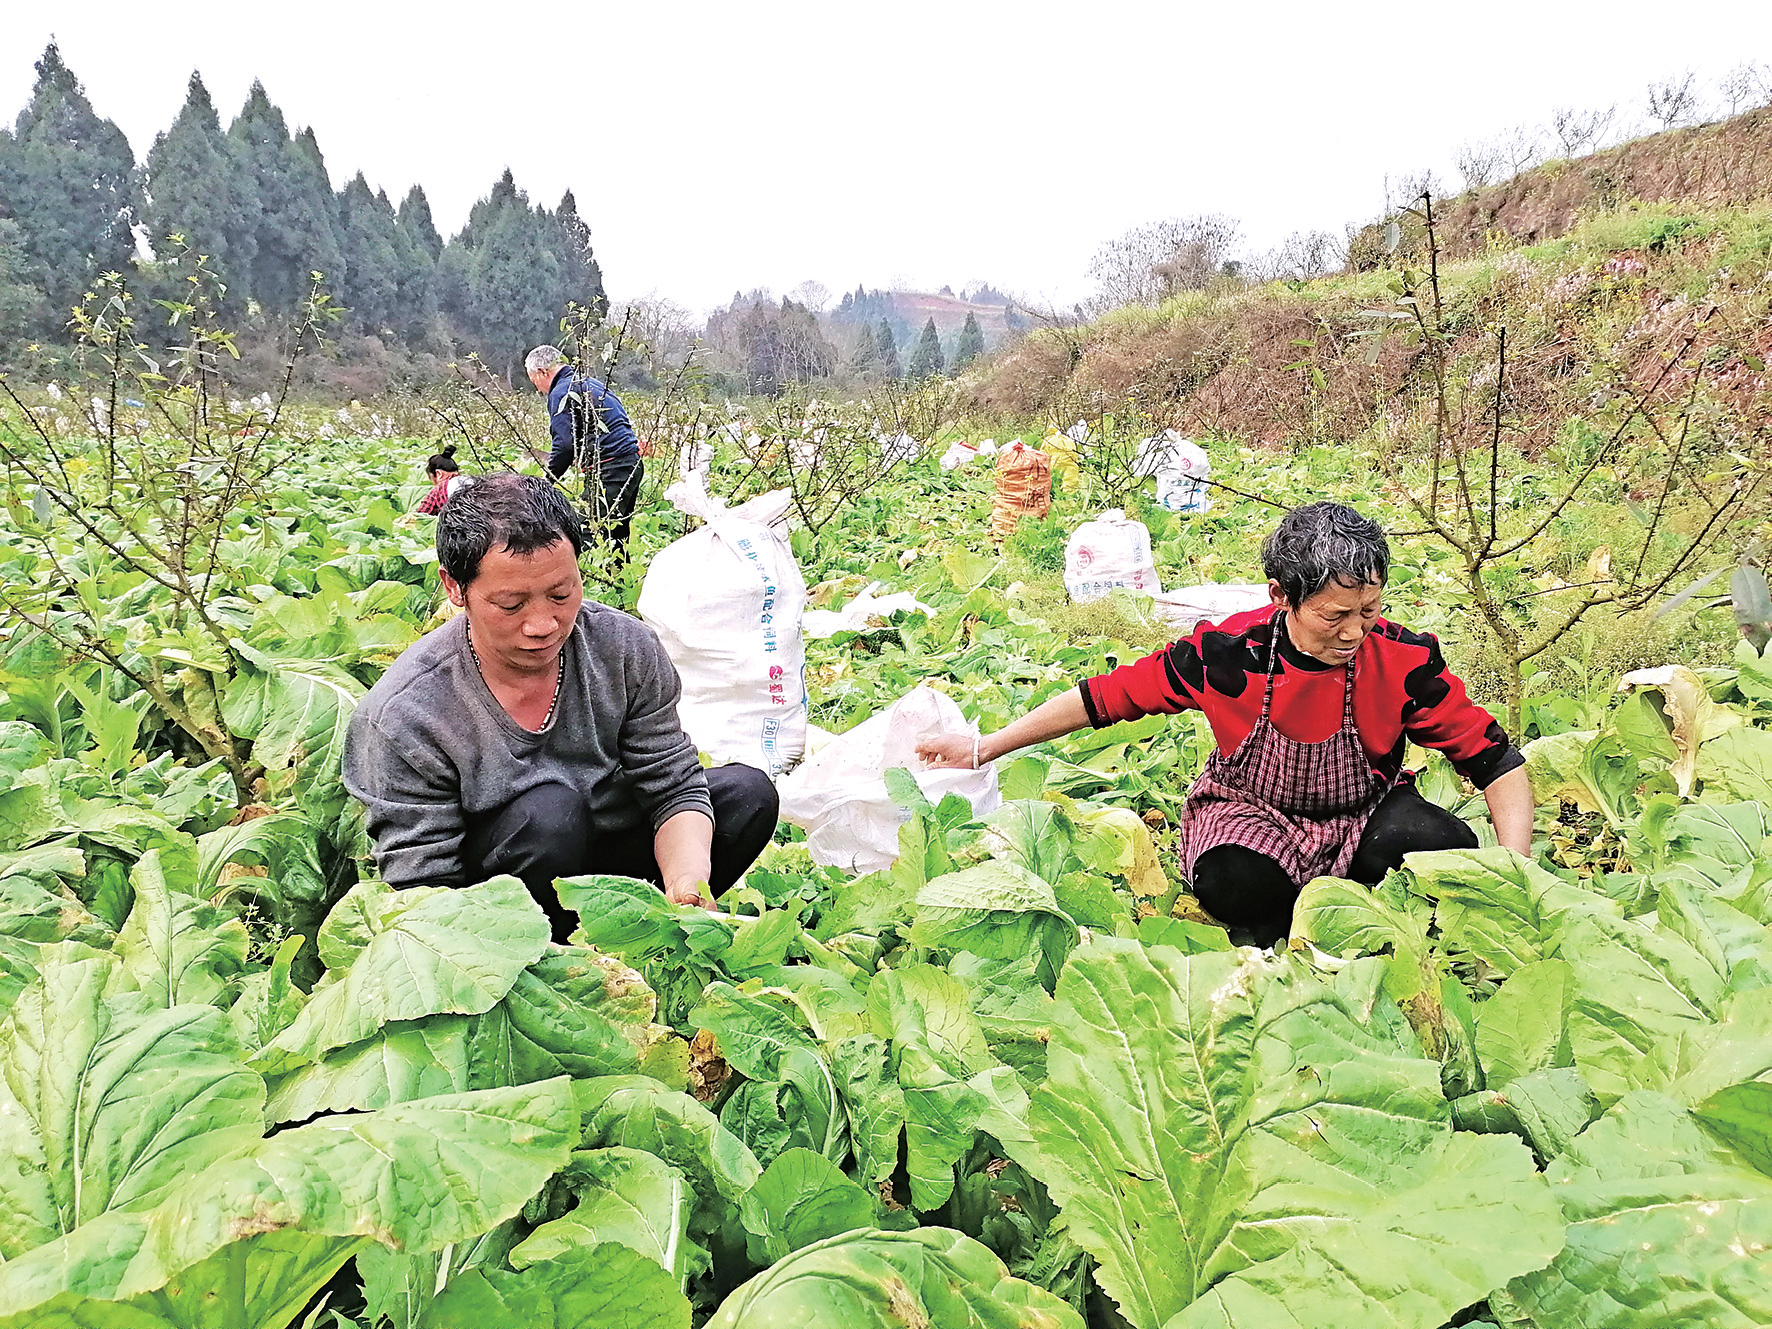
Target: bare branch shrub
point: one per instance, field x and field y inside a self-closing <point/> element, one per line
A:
<point x="1672" y="102"/>
<point x="1300" y="257"/>
<point x="1456" y="463"/>
<point x="1150" y="263"/>
<point x="151" y="485"/>
<point x="1580" y="132"/>
<point x="1747" y="86"/>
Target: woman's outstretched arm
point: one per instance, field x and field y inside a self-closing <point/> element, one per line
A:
<point x="1052" y="718"/>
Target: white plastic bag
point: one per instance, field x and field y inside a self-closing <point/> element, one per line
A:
<point x="1182" y="609"/>
<point x="1111" y="551"/>
<point x="695" y="460"/>
<point x="838" y="796"/>
<point x="1182" y="467"/>
<point x="853" y="617"/>
<point x="902" y="448"/>
<point x="726" y="601"/>
<point x="957" y="455"/>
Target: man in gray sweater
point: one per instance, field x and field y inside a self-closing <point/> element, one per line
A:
<point x="536" y="733"/>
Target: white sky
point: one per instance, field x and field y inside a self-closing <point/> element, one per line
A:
<point x="714" y="146"/>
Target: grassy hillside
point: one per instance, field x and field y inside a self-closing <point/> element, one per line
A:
<point x="1598" y="268"/>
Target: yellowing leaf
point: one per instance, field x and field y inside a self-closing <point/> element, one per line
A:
<point x="1687" y="703"/>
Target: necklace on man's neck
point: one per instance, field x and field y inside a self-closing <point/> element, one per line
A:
<point x="559" y="678"/>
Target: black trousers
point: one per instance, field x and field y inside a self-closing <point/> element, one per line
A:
<point x="547" y="833"/>
<point x="612" y="492"/>
<point x="1252" y="895"/>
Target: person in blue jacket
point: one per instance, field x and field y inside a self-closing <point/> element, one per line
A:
<point x="590" y="430"/>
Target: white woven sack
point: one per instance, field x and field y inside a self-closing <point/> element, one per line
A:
<point x="1113" y="551"/>
<point x="838" y="796"/>
<point x="726" y="601"/>
<point x="1183" y="609"/>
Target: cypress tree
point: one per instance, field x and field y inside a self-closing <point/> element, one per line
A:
<point x="67" y="179"/>
<point x="485" y="211"/>
<point x="886" y="350"/>
<point x="511" y="280"/>
<point x="23" y="308"/>
<point x="415" y="221"/>
<point x="371" y="285"/>
<point x="199" y="187"/>
<point x="866" y="355"/>
<point x="416" y="267"/>
<point x="297" y="230"/>
<point x="583" y="276"/>
<point x="970" y="343"/>
<point x="926" y="360"/>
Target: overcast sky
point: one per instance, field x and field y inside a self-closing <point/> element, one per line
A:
<point x="714" y="146"/>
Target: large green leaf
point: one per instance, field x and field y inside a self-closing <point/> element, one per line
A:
<point x="938" y="1054"/>
<point x="1741" y="1116"/>
<point x="792" y="1098"/>
<point x="1547" y="1109"/>
<point x="636" y="1112"/>
<point x="400" y="1062"/>
<point x="573" y="1012"/>
<point x="1666" y="1227"/>
<point x="999" y="910"/>
<point x="801" y="1198"/>
<point x="624" y="1195"/>
<point x="1497" y="905"/>
<point x="1697" y="1060"/>
<point x="1033" y="834"/>
<point x="1238" y="1142"/>
<point x="1347" y="919"/>
<point x="295" y="709"/>
<point x="285" y="1213"/>
<point x="875" y="1104"/>
<point x="932" y="1277"/>
<point x="175" y="946"/>
<point x="432" y="951"/>
<point x="1524" y="1026"/>
<point x="22" y="747"/>
<point x="1740" y="763"/>
<point x="109" y="1098"/>
<point x="1635" y="986"/>
<point x="610" y="1286"/>
<point x="1013" y="1010"/>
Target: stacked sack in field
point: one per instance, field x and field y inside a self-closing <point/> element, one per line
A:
<point x="1183" y="609"/>
<point x="1024" y="488"/>
<point x="1111" y="553"/>
<point x="727" y="602"/>
<point x="1182" y="469"/>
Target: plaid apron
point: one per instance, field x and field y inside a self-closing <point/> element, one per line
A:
<point x="1304" y="805"/>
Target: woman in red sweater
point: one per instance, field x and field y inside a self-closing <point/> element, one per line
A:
<point x="1312" y="702"/>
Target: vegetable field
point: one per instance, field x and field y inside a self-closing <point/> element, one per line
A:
<point x="1013" y="1080"/>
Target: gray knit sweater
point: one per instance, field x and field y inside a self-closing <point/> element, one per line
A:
<point x="430" y="746"/>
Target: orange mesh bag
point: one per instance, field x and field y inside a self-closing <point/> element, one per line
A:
<point x="1024" y="489"/>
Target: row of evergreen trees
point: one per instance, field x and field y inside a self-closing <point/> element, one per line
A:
<point x="258" y="200"/>
<point x="876" y="351"/>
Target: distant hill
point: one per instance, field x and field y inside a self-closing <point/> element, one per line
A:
<point x="949" y="312"/>
<point x="1609" y="268"/>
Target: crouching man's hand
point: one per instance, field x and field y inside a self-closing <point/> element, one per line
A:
<point x="683" y="847"/>
<point x="691" y="893"/>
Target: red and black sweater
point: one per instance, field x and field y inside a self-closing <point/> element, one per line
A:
<point x="1403" y="691"/>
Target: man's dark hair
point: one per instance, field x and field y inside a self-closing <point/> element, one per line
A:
<point x="520" y="513"/>
<point x="1320" y="543"/>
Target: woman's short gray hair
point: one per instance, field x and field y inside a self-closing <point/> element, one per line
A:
<point x="1323" y="542"/>
<point x="543" y="357"/>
